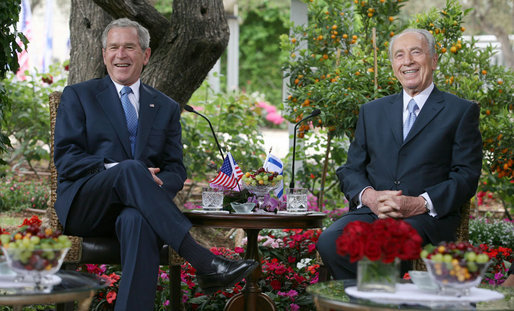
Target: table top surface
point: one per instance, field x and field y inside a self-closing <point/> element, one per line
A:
<point x="256" y="220"/>
<point x="331" y="295"/>
<point x="72" y="282"/>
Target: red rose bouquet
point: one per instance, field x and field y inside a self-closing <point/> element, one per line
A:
<point x="383" y="239"/>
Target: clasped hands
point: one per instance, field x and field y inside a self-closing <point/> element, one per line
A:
<point x="392" y="204"/>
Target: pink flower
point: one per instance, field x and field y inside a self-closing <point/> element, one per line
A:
<point x="294" y="307"/>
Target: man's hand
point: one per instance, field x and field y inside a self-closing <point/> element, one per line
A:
<point x="399" y="206"/>
<point x="370" y="198"/>
<point x="154" y="171"/>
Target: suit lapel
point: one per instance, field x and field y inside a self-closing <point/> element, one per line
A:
<point x="394" y="113"/>
<point x="111" y="105"/>
<point x="148" y="108"/>
<point x="433" y="105"/>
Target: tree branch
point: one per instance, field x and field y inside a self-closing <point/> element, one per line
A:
<point x="140" y="11"/>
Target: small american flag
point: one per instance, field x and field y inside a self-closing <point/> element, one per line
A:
<point x="229" y="174"/>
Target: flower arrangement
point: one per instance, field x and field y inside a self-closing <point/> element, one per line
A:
<point x="383" y="239"/>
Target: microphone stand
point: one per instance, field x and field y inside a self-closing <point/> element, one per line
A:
<point x="191" y="109"/>
<point x="314" y="113"/>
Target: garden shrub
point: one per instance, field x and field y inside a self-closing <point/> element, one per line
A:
<point x="493" y="232"/>
<point x="18" y="193"/>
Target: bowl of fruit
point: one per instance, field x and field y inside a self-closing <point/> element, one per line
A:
<point x="456" y="266"/>
<point x="260" y="182"/>
<point x="35" y="253"/>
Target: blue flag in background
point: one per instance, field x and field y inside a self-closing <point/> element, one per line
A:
<point x="274" y="164"/>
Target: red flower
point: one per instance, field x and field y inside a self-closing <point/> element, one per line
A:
<point x="311" y="247"/>
<point x="384" y="239"/>
<point x="280" y="270"/>
<point x="239" y="250"/>
<point x="34" y="220"/>
<point x="111" y="296"/>
<point x="275" y="284"/>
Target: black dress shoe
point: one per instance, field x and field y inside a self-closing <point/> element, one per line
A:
<point x="228" y="273"/>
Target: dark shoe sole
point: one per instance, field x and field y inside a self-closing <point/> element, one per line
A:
<point x="212" y="290"/>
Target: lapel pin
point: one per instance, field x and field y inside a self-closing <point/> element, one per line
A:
<point x="152" y="105"/>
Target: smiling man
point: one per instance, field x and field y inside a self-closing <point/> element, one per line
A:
<point x="416" y="155"/>
<point x="118" y="154"/>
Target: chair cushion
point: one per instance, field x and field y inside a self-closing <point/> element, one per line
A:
<point x="105" y="250"/>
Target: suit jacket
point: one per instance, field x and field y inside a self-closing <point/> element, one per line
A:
<point x="442" y="155"/>
<point x="91" y="130"/>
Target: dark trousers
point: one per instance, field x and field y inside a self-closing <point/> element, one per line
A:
<point x="125" y="201"/>
<point x="339" y="266"/>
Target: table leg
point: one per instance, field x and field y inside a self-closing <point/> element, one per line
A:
<point x="83" y="305"/>
<point x="251" y="298"/>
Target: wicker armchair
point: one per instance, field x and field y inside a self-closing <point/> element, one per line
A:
<point x="101" y="250"/>
<point x="462" y="233"/>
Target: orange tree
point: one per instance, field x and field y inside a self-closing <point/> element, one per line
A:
<point x="339" y="61"/>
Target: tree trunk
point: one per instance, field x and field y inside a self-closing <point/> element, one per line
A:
<point x="87" y="21"/>
<point x="183" y="50"/>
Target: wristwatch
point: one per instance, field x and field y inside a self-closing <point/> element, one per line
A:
<point x="426" y="205"/>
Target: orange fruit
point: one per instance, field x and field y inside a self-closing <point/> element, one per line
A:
<point x="453" y="49"/>
<point x="391" y="18"/>
<point x="484" y="72"/>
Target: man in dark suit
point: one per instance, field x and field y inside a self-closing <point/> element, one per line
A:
<point x="118" y="154"/>
<point x="416" y="156"/>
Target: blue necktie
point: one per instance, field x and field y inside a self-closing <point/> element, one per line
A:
<point x="130" y="116"/>
<point x="412" y="107"/>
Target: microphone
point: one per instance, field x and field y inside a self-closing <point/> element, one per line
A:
<point x="314" y="113"/>
<point x="191" y="109"/>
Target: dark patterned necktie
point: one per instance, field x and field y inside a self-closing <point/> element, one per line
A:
<point x="130" y="116"/>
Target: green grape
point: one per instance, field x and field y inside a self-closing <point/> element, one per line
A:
<point x="470" y="256"/>
<point x="423" y="254"/>
<point x="482" y="258"/>
<point x="472" y="266"/>
<point x="447" y="258"/>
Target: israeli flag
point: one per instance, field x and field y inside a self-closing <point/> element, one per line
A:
<point x="274" y="164"/>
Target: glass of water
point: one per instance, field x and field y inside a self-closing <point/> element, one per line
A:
<point x="296" y="200"/>
<point x="212" y="199"/>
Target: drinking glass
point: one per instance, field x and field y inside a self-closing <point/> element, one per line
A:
<point x="296" y="200"/>
<point x="212" y="199"/>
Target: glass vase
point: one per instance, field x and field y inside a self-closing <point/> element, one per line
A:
<point x="377" y="276"/>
